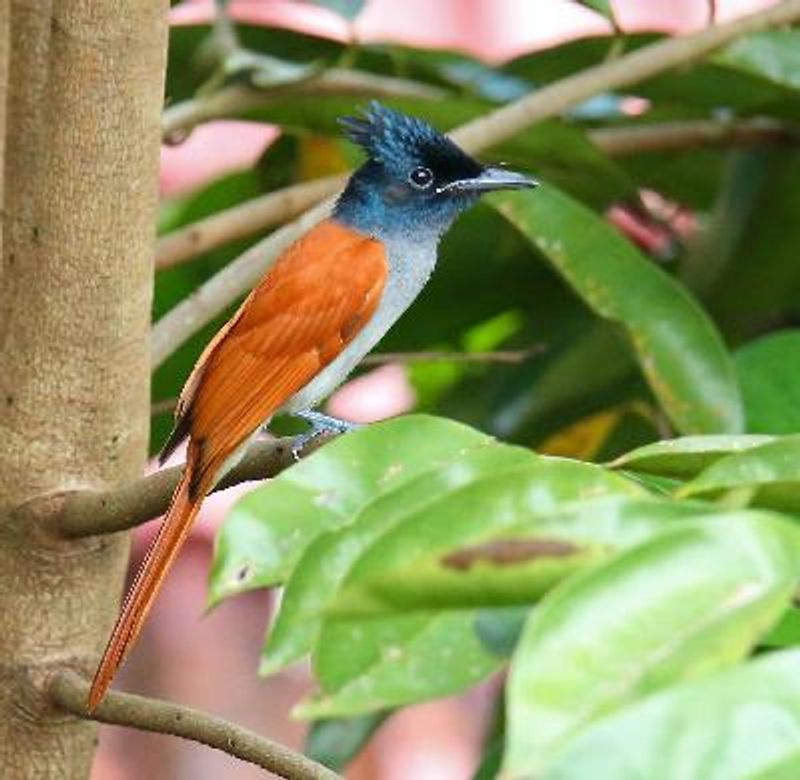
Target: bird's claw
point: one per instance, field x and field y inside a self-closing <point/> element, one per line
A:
<point x="321" y="425"/>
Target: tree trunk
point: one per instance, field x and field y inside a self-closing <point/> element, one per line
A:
<point x="83" y="101"/>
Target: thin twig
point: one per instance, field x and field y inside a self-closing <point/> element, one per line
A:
<point x="68" y="691"/>
<point x="242" y="220"/>
<point x="666" y="136"/>
<point x="163" y="406"/>
<point x="237" y="277"/>
<point x="277" y="207"/>
<point x="509" y="356"/>
<point x="87" y="513"/>
<point x="239" y="99"/>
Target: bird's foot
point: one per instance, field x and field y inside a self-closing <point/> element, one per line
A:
<point x="321" y="425"/>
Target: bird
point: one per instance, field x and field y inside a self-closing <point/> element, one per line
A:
<point x="318" y="310"/>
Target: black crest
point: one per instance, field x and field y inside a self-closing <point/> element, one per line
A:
<point x="399" y="142"/>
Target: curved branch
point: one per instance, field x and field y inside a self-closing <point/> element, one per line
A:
<point x="237" y="277"/>
<point x="630" y="69"/>
<point x="87" y="513"/>
<point x="68" y="691"/>
<point x="238" y="99"/>
<point x="277" y="207"/>
<point x="242" y="220"/>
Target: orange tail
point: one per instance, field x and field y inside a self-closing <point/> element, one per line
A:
<point x="149" y="578"/>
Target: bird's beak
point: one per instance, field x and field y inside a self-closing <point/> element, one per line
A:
<point x="490" y="179"/>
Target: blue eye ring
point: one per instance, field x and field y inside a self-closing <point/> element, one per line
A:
<point x="421" y="177"/>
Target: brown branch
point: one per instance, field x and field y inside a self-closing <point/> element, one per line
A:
<point x="637" y="66"/>
<point x="666" y="136"/>
<point x="242" y="220"/>
<point x="239" y="99"/>
<point x="68" y="691"/>
<point x="712" y="12"/>
<point x="277" y="207"/>
<point x="237" y="277"/>
<point x="87" y="513"/>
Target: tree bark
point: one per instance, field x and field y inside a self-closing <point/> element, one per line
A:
<point x="83" y="105"/>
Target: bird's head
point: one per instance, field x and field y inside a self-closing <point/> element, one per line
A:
<point x="415" y="179"/>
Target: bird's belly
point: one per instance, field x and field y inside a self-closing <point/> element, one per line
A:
<point x="408" y="274"/>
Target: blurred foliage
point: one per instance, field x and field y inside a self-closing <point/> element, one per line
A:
<point x="421" y="555"/>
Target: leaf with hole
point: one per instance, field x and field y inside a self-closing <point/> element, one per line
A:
<point x="326" y="561"/>
<point x="268" y="529"/>
<point x="485" y="563"/>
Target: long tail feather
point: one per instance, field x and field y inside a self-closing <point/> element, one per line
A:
<point x="182" y="511"/>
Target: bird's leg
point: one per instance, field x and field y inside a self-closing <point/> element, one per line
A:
<point x="321" y="424"/>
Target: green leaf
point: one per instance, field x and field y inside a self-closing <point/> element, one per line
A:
<point x="326" y="561"/>
<point x="349" y="9"/>
<point x="491" y="761"/>
<point x="268" y="529"/>
<point x="767" y="476"/>
<point x="685" y="456"/>
<point x="679" y="350"/>
<point x="601" y="6"/>
<point x="335" y="742"/>
<point x="378" y="662"/>
<point x="578" y="375"/>
<point x="761" y="284"/>
<point x="711" y="85"/>
<point x="786" y="633"/>
<point x="500" y="628"/>
<point x="684" y="604"/>
<point x="773" y="55"/>
<point x="364" y="666"/>
<point x="770" y="382"/>
<point x="690" y="178"/>
<point x="743" y="724"/>
<point x="192" y="59"/>
<point x="420" y="563"/>
<point x="498" y="566"/>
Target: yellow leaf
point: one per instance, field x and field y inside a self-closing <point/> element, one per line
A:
<point x="319" y="156"/>
<point x="584" y="438"/>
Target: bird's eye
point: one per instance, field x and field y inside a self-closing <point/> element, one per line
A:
<point x="421" y="177"/>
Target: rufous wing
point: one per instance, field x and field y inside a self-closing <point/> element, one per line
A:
<point x="311" y="304"/>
